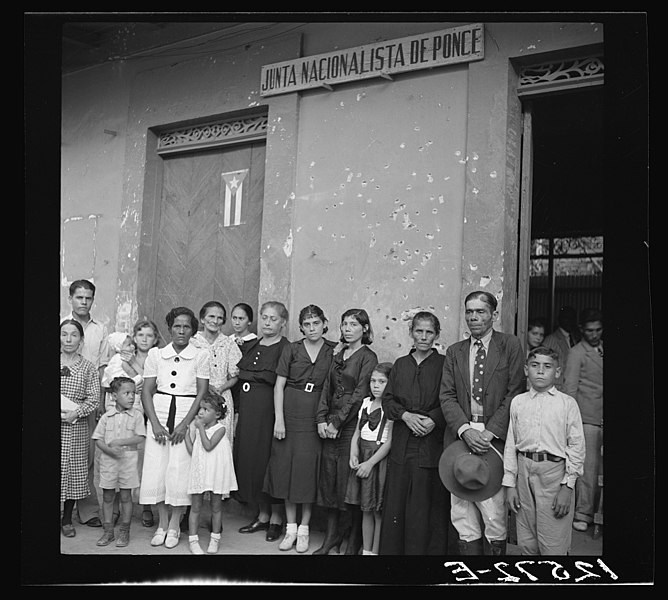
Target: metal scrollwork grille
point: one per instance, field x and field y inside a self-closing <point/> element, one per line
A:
<point x="559" y="75"/>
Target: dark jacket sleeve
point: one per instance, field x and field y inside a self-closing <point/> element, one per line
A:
<point x="453" y="413"/>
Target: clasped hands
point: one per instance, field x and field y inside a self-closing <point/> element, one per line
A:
<point x="162" y="436"/>
<point x="420" y="425"/>
<point x="326" y="430"/>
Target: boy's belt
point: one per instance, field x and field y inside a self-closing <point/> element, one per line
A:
<point x="541" y="456"/>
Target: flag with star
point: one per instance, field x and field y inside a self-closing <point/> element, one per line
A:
<point x="234" y="186"/>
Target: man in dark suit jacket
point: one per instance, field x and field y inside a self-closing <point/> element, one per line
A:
<point x="476" y="410"/>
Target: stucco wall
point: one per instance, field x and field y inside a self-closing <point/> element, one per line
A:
<point x="369" y="162"/>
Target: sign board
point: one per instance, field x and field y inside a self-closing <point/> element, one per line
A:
<point x="382" y="59"/>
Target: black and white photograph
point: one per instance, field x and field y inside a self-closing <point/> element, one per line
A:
<point x="335" y="293"/>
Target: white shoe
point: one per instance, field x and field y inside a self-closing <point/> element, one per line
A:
<point x="158" y="538"/>
<point x="288" y="541"/>
<point x="172" y="538"/>
<point x="302" y="538"/>
<point x="213" y="544"/>
<point x="580" y="526"/>
<point x="195" y="548"/>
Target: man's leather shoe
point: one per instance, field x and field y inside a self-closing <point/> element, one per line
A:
<point x="273" y="532"/>
<point x="94" y="522"/>
<point x="256" y="525"/>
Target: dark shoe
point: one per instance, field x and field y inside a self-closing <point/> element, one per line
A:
<point x="274" y="532"/>
<point x="330" y="543"/>
<point x="497" y="548"/>
<point x="107" y="536"/>
<point x="256" y="525"/>
<point x="147" y="518"/>
<point x="474" y="548"/>
<point x="68" y="530"/>
<point x="94" y="522"/>
<point x="123" y="536"/>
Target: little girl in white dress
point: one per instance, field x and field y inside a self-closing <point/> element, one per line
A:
<point x="211" y="468"/>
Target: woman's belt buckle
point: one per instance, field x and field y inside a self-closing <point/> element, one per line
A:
<point x="308" y="387"/>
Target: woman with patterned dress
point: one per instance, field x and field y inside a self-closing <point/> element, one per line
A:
<point x="79" y="397"/>
<point x="176" y="378"/>
<point x="416" y="506"/>
<point x="255" y="426"/>
<point x="224" y="355"/>
<point x="344" y="389"/>
<point x="292" y="474"/>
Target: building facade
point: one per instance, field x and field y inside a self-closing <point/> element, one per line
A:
<point x="384" y="166"/>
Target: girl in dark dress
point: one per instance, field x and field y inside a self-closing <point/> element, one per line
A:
<point x="255" y="426"/>
<point x="345" y="387"/>
<point x="293" y="468"/>
<point x="416" y="505"/>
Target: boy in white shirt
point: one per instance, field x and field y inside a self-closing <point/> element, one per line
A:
<point x="543" y="457"/>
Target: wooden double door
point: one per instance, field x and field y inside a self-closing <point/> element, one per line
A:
<point x="209" y="230"/>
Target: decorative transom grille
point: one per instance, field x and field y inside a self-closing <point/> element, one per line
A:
<point x="568" y="73"/>
<point x="213" y="134"/>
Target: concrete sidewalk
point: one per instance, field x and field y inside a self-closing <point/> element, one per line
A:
<point x="233" y="542"/>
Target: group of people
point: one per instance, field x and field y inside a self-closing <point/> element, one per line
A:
<point x="403" y="458"/>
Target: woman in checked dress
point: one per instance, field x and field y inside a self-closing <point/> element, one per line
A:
<point x="80" y="396"/>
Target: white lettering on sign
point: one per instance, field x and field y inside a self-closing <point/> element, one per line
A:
<point x="382" y="59"/>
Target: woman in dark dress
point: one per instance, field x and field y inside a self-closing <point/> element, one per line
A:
<point x="416" y="504"/>
<point x="255" y="426"/>
<point x="294" y="464"/>
<point x="242" y="320"/>
<point x="345" y="387"/>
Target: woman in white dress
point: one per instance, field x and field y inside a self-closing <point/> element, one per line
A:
<point x="176" y="378"/>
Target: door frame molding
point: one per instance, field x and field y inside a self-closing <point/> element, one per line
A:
<point x="562" y="72"/>
<point x="194" y="135"/>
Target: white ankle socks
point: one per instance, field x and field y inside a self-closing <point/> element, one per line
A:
<point x="291" y="528"/>
<point x="302" y="530"/>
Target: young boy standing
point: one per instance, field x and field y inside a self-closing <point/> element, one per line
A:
<point x="119" y="431"/>
<point x="543" y="457"/>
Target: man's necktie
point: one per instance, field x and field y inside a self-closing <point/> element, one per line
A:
<point x="478" y="371"/>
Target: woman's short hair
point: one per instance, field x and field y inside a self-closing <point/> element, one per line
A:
<point x="246" y="308"/>
<point x="212" y="304"/>
<point x="76" y="323"/>
<point x="311" y="311"/>
<point x="177" y="312"/>
<point x="361" y="316"/>
<point x="425" y="315"/>
<point x="279" y="307"/>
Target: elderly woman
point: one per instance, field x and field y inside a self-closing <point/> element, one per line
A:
<point x="79" y="397"/>
<point x="176" y="378"/>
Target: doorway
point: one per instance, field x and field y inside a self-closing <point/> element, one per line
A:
<point x="208" y="229"/>
<point x="565" y="256"/>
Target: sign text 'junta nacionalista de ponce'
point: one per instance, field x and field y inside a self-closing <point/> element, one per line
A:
<point x="382" y="59"/>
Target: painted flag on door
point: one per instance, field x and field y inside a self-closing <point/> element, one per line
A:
<point x="234" y="187"/>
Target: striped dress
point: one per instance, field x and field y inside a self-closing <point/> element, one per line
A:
<point x="81" y="384"/>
